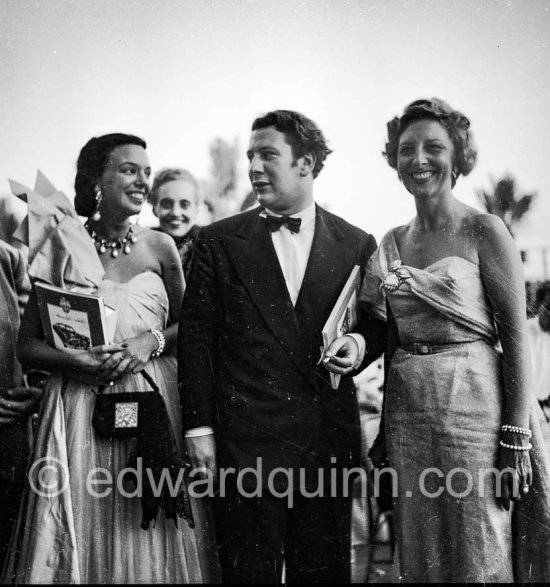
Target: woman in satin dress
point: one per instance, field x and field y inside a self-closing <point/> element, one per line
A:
<point x="461" y="434"/>
<point x="89" y="532"/>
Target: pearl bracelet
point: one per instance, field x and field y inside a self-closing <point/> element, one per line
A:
<point x="517" y="429"/>
<point x="161" y="341"/>
<point x="514" y="447"/>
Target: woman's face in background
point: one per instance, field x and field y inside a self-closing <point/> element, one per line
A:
<point x="125" y="180"/>
<point x="176" y="207"/>
<point x="425" y="157"/>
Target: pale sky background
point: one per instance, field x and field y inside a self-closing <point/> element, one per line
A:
<point x="181" y="72"/>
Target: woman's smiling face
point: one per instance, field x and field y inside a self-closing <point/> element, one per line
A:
<point x="125" y="180"/>
<point x="176" y="207"/>
<point x="425" y="157"/>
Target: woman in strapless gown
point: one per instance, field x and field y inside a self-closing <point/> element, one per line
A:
<point x="460" y="426"/>
<point x="74" y="528"/>
<point x="443" y="415"/>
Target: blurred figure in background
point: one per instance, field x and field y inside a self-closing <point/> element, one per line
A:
<point x="175" y="198"/>
<point x="539" y="343"/>
<point x="12" y="212"/>
<point x="17" y="402"/>
<point x="365" y="511"/>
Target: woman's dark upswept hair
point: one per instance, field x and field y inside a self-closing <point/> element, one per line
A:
<point x="457" y="125"/>
<point x="91" y="164"/>
<point x="302" y="133"/>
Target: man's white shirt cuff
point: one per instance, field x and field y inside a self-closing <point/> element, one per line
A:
<point x="199" y="431"/>
<point x="360" y="340"/>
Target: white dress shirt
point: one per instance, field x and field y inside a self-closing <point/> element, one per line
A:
<point x="293" y="249"/>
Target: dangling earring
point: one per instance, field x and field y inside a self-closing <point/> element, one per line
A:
<point x="98" y="199"/>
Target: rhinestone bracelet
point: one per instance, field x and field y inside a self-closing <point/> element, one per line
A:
<point x="514" y="447"/>
<point x="517" y="429"/>
<point x="162" y="343"/>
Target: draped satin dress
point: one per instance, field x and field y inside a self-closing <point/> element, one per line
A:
<point x="443" y="413"/>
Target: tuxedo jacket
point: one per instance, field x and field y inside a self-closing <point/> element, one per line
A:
<point x="249" y="360"/>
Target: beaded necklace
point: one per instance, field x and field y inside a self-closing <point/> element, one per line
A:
<point x="103" y="244"/>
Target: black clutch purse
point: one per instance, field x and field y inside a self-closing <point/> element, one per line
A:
<point x="143" y="415"/>
<point x="122" y="415"/>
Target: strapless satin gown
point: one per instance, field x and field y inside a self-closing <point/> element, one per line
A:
<point x="75" y="537"/>
<point x="443" y="414"/>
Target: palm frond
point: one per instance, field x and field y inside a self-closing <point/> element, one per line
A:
<point x="522" y="206"/>
<point x="504" y="202"/>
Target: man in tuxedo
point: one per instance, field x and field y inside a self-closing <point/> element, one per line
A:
<point x="257" y="400"/>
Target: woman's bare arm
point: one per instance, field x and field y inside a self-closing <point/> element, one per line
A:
<point x="502" y="277"/>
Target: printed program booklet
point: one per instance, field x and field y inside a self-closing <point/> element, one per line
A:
<point x="344" y="316"/>
<point x="74" y="321"/>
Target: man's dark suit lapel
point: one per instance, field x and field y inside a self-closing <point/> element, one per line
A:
<point x="252" y="253"/>
<point x="327" y="260"/>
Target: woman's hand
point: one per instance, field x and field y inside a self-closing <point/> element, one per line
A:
<point x="515" y="468"/>
<point x="18" y="403"/>
<point x="131" y="359"/>
<point x="89" y="362"/>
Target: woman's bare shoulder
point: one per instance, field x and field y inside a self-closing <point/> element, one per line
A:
<point x="152" y="236"/>
<point x="483" y="225"/>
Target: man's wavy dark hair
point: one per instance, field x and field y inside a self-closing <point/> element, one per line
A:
<point x="303" y="135"/>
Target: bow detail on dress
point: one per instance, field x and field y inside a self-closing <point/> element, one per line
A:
<point x="61" y="252"/>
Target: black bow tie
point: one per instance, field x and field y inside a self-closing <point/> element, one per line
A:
<point x="275" y="222"/>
